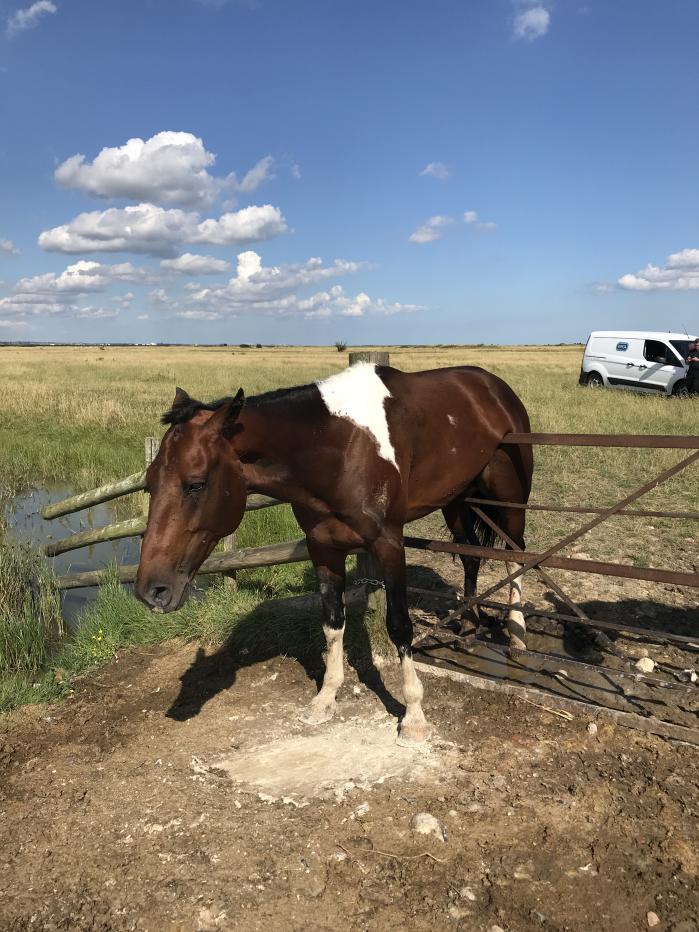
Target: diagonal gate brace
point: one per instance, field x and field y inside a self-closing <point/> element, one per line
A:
<point x="575" y="535"/>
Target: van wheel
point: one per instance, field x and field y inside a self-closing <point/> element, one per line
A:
<point x="679" y="389"/>
<point x="595" y="380"/>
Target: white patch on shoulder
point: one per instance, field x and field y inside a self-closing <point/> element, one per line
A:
<point x="358" y="394"/>
<point x="452" y="420"/>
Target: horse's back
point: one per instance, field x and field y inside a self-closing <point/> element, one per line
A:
<point x="447" y="425"/>
<point x="467" y="390"/>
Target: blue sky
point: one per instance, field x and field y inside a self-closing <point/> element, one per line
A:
<point x="393" y="172"/>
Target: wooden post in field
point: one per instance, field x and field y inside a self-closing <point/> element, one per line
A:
<point x="380" y="358"/>
<point x="152" y="445"/>
<point x="366" y="567"/>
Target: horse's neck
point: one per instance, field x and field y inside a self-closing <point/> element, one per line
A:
<point x="260" y="447"/>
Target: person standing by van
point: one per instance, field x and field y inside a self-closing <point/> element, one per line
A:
<point x="693" y="369"/>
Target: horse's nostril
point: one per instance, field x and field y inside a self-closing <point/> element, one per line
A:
<point x="160" y="595"/>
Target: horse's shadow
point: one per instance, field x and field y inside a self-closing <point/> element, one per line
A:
<point x="281" y="628"/>
<point x="292" y="628"/>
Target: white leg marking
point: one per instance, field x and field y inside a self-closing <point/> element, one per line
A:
<point x="322" y="708"/>
<point x="516" y="626"/>
<point x="414" y="726"/>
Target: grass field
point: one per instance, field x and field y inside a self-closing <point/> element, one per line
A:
<point x="78" y="415"/>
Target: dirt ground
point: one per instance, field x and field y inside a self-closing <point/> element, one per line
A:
<point x="176" y="791"/>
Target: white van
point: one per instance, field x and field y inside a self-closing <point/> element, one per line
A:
<point x="640" y="360"/>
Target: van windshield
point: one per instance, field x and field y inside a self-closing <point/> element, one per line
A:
<point x="682" y="347"/>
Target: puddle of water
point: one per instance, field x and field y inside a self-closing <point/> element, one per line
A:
<point x="25" y="525"/>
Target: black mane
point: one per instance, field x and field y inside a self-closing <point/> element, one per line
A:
<point x="183" y="413"/>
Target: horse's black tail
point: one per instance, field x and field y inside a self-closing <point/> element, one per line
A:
<point x="482" y="533"/>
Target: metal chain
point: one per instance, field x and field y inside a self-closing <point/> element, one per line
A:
<point x="365" y="581"/>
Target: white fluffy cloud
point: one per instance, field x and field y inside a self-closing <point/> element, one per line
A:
<point x="31" y="305"/>
<point x="29" y="17"/>
<point x="152" y="230"/>
<point x="430" y="230"/>
<point x="81" y="278"/>
<point x="531" y="23"/>
<point x="58" y="294"/>
<point x="191" y="264"/>
<point x="170" y="168"/>
<point x="277" y="290"/>
<point x="437" y="170"/>
<point x="8" y="248"/>
<point x="680" y="273"/>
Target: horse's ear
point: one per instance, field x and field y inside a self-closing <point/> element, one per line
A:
<point x="181" y="398"/>
<point x="223" y="421"/>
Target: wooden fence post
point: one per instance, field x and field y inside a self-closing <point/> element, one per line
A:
<point x="152" y="445"/>
<point x="229" y="543"/>
<point x="366" y="566"/>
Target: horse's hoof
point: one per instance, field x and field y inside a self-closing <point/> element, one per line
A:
<point x="516" y="644"/>
<point x="318" y="714"/>
<point x="412" y="734"/>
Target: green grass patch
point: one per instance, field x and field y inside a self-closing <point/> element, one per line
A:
<point x="30" y="613"/>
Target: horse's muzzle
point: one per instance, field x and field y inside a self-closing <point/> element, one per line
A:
<point x="162" y="598"/>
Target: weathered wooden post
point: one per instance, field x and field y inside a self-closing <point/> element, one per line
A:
<point x="366" y="566"/>
<point x="379" y="357"/>
<point x="152" y="445"/>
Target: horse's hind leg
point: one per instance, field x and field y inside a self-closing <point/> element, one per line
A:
<point x="460" y="520"/>
<point x="516" y="625"/>
<point x="508" y="481"/>
<point x="330" y="569"/>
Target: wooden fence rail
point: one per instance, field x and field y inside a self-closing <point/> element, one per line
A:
<point x="133" y="527"/>
<point x="293" y="551"/>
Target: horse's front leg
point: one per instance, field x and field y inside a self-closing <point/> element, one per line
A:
<point x="330" y="569"/>
<point x="390" y="554"/>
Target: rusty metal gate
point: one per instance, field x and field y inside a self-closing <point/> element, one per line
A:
<point x="666" y="704"/>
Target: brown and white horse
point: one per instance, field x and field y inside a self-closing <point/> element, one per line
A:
<point x="357" y="455"/>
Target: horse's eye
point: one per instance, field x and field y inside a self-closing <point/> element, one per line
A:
<point x="193" y="487"/>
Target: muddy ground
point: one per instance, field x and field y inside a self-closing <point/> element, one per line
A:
<point x="178" y="790"/>
<point x="120" y="809"/>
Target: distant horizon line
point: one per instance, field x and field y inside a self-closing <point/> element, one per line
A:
<point x="349" y="348"/>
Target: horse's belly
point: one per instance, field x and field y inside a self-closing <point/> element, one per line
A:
<point x="439" y="477"/>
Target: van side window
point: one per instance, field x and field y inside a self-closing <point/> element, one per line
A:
<point x="655" y="351"/>
<point x="681" y="347"/>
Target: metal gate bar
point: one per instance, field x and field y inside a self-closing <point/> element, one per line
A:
<point x="542" y="657"/>
<point x="531" y="611"/>
<point x="594" y="567"/>
<point x="583" y="510"/>
<point x="575" y="535"/>
<point x="632" y="441"/>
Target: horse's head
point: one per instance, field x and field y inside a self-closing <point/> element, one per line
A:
<point x="197" y="496"/>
